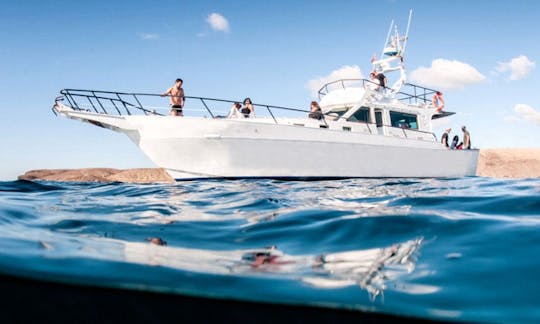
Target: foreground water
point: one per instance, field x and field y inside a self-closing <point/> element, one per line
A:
<point x="453" y="249"/>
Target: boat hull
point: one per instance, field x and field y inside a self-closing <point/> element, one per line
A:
<point x="189" y="148"/>
<point x="241" y="157"/>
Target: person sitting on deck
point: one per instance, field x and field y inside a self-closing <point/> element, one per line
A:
<point x="315" y="111"/>
<point x="248" y="110"/>
<point x="444" y="137"/>
<point x="455" y="141"/>
<point x="235" y="111"/>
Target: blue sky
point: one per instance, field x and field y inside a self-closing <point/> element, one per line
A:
<point x="482" y="54"/>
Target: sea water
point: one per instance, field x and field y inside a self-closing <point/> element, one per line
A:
<point x="462" y="249"/>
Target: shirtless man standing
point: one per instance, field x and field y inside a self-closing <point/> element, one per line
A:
<point x="466" y="138"/>
<point x="177" y="97"/>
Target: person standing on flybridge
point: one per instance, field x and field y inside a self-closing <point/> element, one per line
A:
<point x="177" y="98"/>
<point x="375" y="83"/>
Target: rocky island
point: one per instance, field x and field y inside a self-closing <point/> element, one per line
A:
<point x="496" y="163"/>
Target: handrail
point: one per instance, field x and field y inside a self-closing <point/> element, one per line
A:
<point x="118" y="98"/>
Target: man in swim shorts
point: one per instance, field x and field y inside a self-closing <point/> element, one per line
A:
<point x="177" y="97"/>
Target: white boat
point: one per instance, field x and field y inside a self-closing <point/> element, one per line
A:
<point x="365" y="132"/>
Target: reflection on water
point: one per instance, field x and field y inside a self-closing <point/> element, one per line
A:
<point x="369" y="269"/>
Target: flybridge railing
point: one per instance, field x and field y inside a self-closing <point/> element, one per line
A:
<point x="344" y="84"/>
<point x="124" y="103"/>
<point x="419" y="94"/>
<point x="413" y="94"/>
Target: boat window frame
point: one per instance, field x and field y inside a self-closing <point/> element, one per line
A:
<point x="403" y="120"/>
<point x="363" y="109"/>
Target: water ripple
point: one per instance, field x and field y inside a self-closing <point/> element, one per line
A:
<point x="452" y="249"/>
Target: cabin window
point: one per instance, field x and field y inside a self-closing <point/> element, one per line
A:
<point x="361" y="115"/>
<point x="335" y="115"/>
<point x="402" y="120"/>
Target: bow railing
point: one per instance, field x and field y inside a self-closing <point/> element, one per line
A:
<point x="125" y="103"/>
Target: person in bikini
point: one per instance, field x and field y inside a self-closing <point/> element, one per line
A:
<point x="248" y="110"/>
<point x="177" y="98"/>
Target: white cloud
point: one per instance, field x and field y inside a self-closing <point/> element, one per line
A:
<point x="512" y="119"/>
<point x="218" y="22"/>
<point x="148" y="36"/>
<point x="345" y="72"/>
<point x="445" y="74"/>
<point x="527" y="113"/>
<point x="518" y="67"/>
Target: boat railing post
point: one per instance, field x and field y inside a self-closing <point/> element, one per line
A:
<point x="324" y="120"/>
<point x="140" y="105"/>
<point x="271" y="114"/>
<point x="208" y="109"/>
<point x="123" y="103"/>
<point x="72" y="100"/>
<point x="91" y="103"/>
<point x="118" y="110"/>
<point x="99" y="102"/>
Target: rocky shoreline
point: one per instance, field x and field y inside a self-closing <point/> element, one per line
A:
<point x="496" y="163"/>
<point x="146" y="175"/>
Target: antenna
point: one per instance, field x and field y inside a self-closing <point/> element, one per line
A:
<point x="387" y="38"/>
<point x="406" y="34"/>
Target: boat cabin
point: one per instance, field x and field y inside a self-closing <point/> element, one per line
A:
<point x="355" y="106"/>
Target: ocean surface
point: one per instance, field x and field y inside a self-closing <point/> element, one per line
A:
<point x="463" y="249"/>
